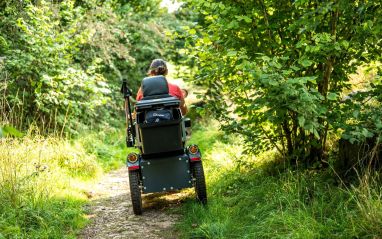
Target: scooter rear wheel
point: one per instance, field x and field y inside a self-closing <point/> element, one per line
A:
<point x="199" y="182"/>
<point x="135" y="192"/>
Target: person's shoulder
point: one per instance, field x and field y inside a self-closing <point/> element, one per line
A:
<point x="173" y="85"/>
<point x="175" y="90"/>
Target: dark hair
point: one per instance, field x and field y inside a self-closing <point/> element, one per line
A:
<point x="158" y="67"/>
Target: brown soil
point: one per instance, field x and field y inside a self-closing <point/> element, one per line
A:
<point x="111" y="214"/>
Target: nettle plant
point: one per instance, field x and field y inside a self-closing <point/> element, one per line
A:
<point x="276" y="71"/>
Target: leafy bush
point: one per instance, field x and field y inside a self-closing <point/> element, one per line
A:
<point x="248" y="198"/>
<point x="276" y="72"/>
<point x="62" y="62"/>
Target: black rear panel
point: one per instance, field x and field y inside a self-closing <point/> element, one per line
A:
<point x="161" y="137"/>
<point x="166" y="174"/>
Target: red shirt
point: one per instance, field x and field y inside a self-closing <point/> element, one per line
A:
<point x="173" y="90"/>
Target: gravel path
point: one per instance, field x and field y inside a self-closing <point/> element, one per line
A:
<point x="111" y="213"/>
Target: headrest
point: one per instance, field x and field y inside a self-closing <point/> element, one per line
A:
<point x="154" y="85"/>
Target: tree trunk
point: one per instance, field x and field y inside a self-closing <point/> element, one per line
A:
<point x="317" y="150"/>
<point x="288" y="136"/>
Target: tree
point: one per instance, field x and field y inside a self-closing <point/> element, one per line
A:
<point x="276" y="70"/>
<point x="61" y="62"/>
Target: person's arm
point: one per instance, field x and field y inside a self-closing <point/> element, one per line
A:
<point x="139" y="94"/>
<point x="138" y="98"/>
<point x="183" y="106"/>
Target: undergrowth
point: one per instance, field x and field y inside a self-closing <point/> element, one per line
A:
<point x="44" y="181"/>
<point x="108" y="145"/>
<point x="248" y="198"/>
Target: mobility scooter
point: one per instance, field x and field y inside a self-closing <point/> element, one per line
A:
<point x="158" y="129"/>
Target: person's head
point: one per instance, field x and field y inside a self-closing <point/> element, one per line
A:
<point x="158" y="67"/>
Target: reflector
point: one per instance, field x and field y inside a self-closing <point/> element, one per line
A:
<point x="193" y="149"/>
<point x="132" y="157"/>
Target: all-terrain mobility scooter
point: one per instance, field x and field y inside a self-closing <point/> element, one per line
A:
<point x="158" y="130"/>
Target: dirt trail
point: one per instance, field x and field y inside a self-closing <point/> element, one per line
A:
<point x="111" y="213"/>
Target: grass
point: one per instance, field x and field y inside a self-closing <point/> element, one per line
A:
<point x="44" y="181"/>
<point x="37" y="196"/>
<point x="108" y="145"/>
<point x="249" y="199"/>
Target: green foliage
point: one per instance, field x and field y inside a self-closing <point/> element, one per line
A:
<point x="275" y="71"/>
<point x="62" y="62"/>
<point x="44" y="182"/>
<point x="39" y="62"/>
<point x="361" y="114"/>
<point x="108" y="145"/>
<point x="8" y="130"/>
<point x="40" y="195"/>
<point x="248" y="198"/>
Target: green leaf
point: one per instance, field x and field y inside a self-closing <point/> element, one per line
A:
<point x="231" y="53"/>
<point x="309" y="127"/>
<point x="332" y="96"/>
<point x="345" y="44"/>
<point x="316" y="134"/>
<point x="306" y="62"/>
<point x="352" y="140"/>
<point x="247" y="19"/>
<point x="295" y="68"/>
<point x="3" y="43"/>
<point x="301" y="121"/>
<point x="192" y="31"/>
<point x="9" y="130"/>
<point x="233" y="25"/>
<point x="312" y="79"/>
<point x="367" y="133"/>
<point x="355" y="113"/>
<point x="265" y="58"/>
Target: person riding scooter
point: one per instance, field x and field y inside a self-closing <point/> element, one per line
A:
<point x="159" y="67"/>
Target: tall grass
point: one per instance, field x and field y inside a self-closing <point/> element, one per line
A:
<point x="250" y="198"/>
<point x="108" y="146"/>
<point x="44" y="179"/>
<point x="40" y="187"/>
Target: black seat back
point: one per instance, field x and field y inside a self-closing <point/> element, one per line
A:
<point x="154" y="87"/>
